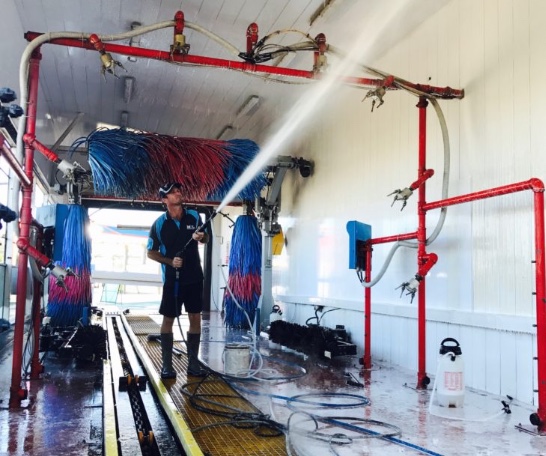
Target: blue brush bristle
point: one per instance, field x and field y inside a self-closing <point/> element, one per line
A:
<point x="126" y="164"/>
<point x="245" y="266"/>
<point x="66" y="307"/>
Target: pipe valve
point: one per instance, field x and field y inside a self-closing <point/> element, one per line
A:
<point x="179" y="45"/>
<point x="108" y="62"/>
<point x="320" y="63"/>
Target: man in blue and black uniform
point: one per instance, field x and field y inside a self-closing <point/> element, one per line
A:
<point x="169" y="244"/>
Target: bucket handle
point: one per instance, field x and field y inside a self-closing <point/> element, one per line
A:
<point x="449" y="339"/>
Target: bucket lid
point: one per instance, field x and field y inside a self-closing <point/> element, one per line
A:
<point x="236" y="346"/>
<point x="455" y="349"/>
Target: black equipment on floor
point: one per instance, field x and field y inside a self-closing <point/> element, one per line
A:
<point x="312" y="339"/>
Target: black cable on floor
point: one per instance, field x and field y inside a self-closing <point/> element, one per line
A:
<point x="261" y="424"/>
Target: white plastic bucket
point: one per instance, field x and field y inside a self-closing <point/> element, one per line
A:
<point x="450" y="376"/>
<point x="236" y="359"/>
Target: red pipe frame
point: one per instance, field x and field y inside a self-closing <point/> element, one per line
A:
<point x="442" y="92"/>
<point x="17" y="392"/>
<point x="535" y="184"/>
<point x="36" y="367"/>
<point x="422" y="379"/>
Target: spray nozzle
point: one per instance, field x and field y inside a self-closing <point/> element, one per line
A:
<point x="60" y="274"/>
<point x="411" y="286"/>
<point x="401" y="195"/>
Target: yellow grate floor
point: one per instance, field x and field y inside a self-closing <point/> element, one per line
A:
<point x="224" y="428"/>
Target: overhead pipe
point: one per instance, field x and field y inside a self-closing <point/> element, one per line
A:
<point x="17" y="391"/>
<point x="442" y="92"/>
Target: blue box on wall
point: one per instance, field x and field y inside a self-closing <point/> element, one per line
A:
<point x="54" y="216"/>
<point x="359" y="233"/>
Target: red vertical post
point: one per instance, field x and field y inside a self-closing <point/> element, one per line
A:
<point x="422" y="379"/>
<point x="367" y="360"/>
<point x="17" y="392"/>
<point x="36" y="367"/>
<point x="540" y="277"/>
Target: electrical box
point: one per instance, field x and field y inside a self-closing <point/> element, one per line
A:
<point x="54" y="216"/>
<point x="359" y="233"/>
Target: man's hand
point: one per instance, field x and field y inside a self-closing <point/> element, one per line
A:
<point x="177" y="262"/>
<point x="199" y="236"/>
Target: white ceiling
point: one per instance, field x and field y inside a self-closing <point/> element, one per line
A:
<point x="184" y="100"/>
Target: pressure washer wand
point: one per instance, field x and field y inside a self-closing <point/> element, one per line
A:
<point x="198" y="230"/>
<point x="180" y="253"/>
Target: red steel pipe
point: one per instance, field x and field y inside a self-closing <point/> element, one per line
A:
<point x="31" y="141"/>
<point x="395" y="238"/>
<point x="532" y="184"/>
<point x="36" y="367"/>
<point x="13" y="162"/>
<point x="24" y="247"/>
<point x="367" y="359"/>
<point x="537" y="186"/>
<point x="17" y="392"/>
<point x="442" y="92"/>
<point x="420" y="181"/>
<point x="540" y="297"/>
<point x="422" y="378"/>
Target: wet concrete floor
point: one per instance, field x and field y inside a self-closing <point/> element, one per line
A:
<point x="63" y="413"/>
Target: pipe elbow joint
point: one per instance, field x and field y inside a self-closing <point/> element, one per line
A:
<point x="427" y="263"/>
<point x="96" y="42"/>
<point x="29" y="139"/>
<point x="536" y="184"/>
<point x="22" y="244"/>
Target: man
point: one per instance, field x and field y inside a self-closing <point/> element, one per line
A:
<point x="171" y="243"/>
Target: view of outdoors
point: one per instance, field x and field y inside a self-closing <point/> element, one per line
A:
<point x="122" y="273"/>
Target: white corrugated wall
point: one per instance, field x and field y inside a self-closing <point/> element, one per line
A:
<point x="480" y="291"/>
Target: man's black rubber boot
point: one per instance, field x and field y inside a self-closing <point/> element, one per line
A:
<point x="167" y="371"/>
<point x="194" y="366"/>
<point x="168" y="375"/>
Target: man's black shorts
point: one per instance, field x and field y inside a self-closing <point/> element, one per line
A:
<point x="190" y="295"/>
